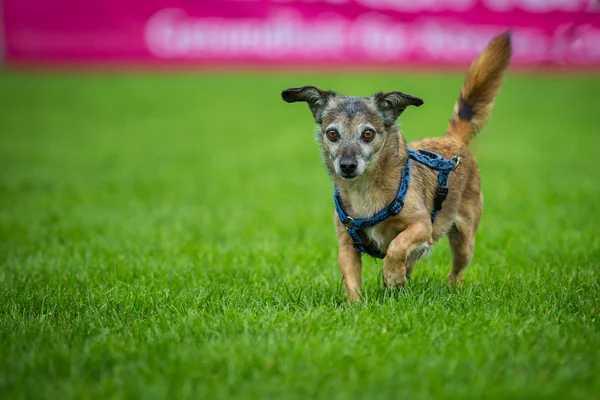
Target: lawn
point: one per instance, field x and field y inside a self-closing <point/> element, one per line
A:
<point x="171" y="236"/>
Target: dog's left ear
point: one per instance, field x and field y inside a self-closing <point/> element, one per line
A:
<point x="315" y="97"/>
<point x="392" y="104"/>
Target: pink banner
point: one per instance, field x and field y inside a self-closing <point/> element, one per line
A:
<point x="405" y="33"/>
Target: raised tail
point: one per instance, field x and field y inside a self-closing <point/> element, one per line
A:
<point x="482" y="83"/>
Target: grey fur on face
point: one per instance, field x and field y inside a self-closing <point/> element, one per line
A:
<point x="353" y="130"/>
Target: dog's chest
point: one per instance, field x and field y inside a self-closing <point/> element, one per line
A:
<point x="376" y="237"/>
<point x="381" y="235"/>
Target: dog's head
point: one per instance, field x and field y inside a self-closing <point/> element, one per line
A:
<point x="353" y="130"/>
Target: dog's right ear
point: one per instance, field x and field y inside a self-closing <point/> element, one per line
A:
<point x="315" y="97"/>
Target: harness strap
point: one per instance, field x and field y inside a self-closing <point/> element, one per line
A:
<point x="428" y="158"/>
<point x="444" y="167"/>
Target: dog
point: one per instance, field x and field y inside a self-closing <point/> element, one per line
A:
<point x="368" y="160"/>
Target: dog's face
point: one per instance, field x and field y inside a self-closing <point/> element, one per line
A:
<point x="353" y="130"/>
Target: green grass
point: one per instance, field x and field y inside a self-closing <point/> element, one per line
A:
<point x="172" y="237"/>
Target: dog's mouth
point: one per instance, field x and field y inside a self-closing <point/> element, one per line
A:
<point x="348" y="175"/>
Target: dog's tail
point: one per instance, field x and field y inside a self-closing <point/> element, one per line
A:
<point x="482" y="83"/>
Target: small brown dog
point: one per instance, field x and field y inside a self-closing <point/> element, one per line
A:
<point x="387" y="206"/>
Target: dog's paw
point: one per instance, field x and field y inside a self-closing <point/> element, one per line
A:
<point x="352" y="302"/>
<point x="393" y="279"/>
<point x="454" y="281"/>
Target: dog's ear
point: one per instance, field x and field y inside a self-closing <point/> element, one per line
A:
<point x="392" y="104"/>
<point x="315" y="97"/>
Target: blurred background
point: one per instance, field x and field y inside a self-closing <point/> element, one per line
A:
<point x="297" y="33"/>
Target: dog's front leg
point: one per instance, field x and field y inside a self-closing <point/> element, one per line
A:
<point x="350" y="264"/>
<point x="394" y="263"/>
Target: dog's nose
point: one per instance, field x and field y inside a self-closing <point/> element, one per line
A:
<point x="348" y="165"/>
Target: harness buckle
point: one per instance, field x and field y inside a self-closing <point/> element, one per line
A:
<point x="350" y="223"/>
<point x="456" y="160"/>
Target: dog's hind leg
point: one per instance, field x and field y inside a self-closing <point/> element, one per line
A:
<point x="462" y="244"/>
<point x="462" y="239"/>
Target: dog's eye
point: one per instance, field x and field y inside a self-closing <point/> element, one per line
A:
<point x="332" y="135"/>
<point x="368" y="135"/>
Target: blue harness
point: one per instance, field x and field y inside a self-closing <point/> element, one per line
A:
<point x="428" y="158"/>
